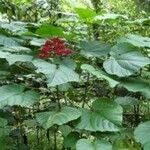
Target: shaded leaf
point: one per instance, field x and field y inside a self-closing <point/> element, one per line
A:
<point x="94" y="48"/>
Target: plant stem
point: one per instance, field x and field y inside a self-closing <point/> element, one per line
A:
<point x="86" y="90"/>
<point x="55" y="141"/>
<point x="58" y="99"/>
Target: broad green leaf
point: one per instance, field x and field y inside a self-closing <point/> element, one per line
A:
<point x="136" y="40"/>
<point x="94" y="48"/>
<point x="49" y="30"/>
<point x="12" y="58"/>
<point x="48" y="119"/>
<point x="106" y="115"/>
<point x="8" y="41"/>
<point x="126" y="101"/>
<point x="142" y="134"/>
<point x="100" y="74"/>
<point x="56" y="75"/>
<point x="96" y="145"/>
<point x="15" y="49"/>
<point x="14" y="27"/>
<point x="125" y="60"/>
<point x="85" y="14"/>
<point x="16" y="95"/>
<point x="137" y="85"/>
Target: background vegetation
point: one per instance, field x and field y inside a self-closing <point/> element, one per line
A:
<point x="91" y="92"/>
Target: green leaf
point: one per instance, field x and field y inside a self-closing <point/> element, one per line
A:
<point x="37" y="42"/>
<point x="106" y="115"/>
<point x="71" y="140"/>
<point x="136" y="40"/>
<point x="65" y="130"/>
<point x="125" y="60"/>
<point x="56" y="75"/>
<point x="8" y="41"/>
<point x="12" y="58"/>
<point x="85" y="14"/>
<point x="137" y="85"/>
<point x="94" y="48"/>
<point x="49" y="30"/>
<point x="16" y="95"/>
<point x="99" y="74"/>
<point x="142" y="134"/>
<point x="96" y="145"/>
<point x="48" y="119"/>
<point x="4" y="129"/>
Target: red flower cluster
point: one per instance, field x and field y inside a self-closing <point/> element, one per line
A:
<point x="54" y="46"/>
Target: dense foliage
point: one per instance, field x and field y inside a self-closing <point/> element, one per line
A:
<point x="74" y="75"/>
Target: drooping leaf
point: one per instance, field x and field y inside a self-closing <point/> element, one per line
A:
<point x="106" y="115"/>
<point x="48" y="119"/>
<point x="136" y="40"/>
<point x="100" y="74"/>
<point x="16" y="95"/>
<point x="142" y="134"/>
<point x="137" y="85"/>
<point x="94" y="48"/>
<point x="12" y="58"/>
<point x="96" y="145"/>
<point x="125" y="60"/>
<point x="8" y="41"/>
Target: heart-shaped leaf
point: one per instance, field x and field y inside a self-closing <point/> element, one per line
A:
<point x="48" y="119"/>
<point x="125" y="60"/>
<point x="16" y="95"/>
<point x="106" y="115"/>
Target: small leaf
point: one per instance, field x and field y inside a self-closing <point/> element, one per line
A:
<point x="16" y="95"/>
<point x="48" y="119"/>
<point x="96" y="145"/>
<point x="94" y="49"/>
<point x="71" y="140"/>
